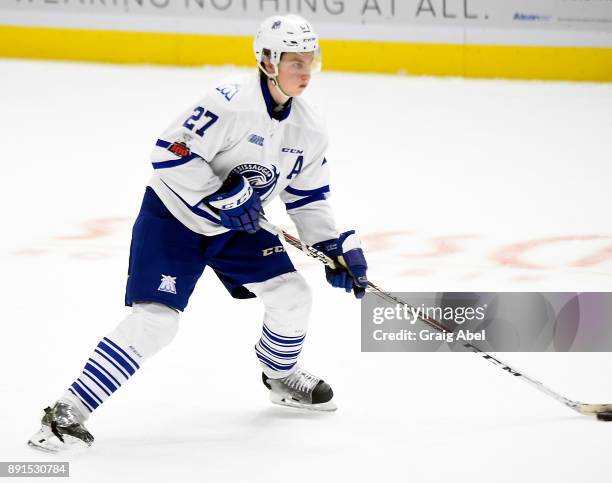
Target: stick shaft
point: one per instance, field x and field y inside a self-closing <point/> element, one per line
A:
<point x="438" y="326"/>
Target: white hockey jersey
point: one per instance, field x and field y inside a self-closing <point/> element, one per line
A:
<point x="231" y="129"/>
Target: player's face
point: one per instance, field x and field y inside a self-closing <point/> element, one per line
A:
<point x="294" y="72"/>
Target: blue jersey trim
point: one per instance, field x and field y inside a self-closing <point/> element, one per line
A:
<point x="194" y="209"/>
<point x="305" y="201"/>
<point x="296" y="192"/>
<point x="173" y="163"/>
<point x="270" y="104"/>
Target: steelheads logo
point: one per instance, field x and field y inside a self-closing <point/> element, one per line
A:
<point x="262" y="179"/>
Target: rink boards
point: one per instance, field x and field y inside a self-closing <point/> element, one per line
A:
<point x="560" y="39"/>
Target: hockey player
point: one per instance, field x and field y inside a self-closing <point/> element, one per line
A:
<point x="246" y="142"/>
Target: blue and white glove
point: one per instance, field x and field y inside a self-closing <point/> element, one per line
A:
<point x="347" y="248"/>
<point x="237" y="204"/>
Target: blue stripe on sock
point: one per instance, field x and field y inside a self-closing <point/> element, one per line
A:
<point x="95" y="381"/>
<point x="82" y="402"/>
<point x="102" y="368"/>
<point x="282" y="355"/>
<point x="280" y="341"/>
<point x="280" y="350"/>
<point x="266" y="364"/>
<point x="286" y="340"/>
<point x="115" y="355"/>
<point x="122" y="351"/>
<point x="272" y="364"/>
<point x="84" y="396"/>
<point x="301" y="337"/>
<point x="273" y="340"/>
<point x="112" y="363"/>
<point x="266" y="353"/>
<point x="101" y="377"/>
<point x="278" y="346"/>
<point x="90" y="391"/>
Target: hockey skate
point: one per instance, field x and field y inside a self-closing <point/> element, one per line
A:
<point x="62" y="430"/>
<point x="301" y="389"/>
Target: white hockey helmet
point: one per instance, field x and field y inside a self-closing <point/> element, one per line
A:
<point x="285" y="33"/>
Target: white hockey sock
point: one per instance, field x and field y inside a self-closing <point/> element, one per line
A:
<point x="118" y="356"/>
<point x="278" y="353"/>
<point x="106" y="370"/>
<point x="287" y="300"/>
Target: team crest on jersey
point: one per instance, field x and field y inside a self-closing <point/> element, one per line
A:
<point x="262" y="179"/>
<point x="228" y="90"/>
<point x="179" y="149"/>
<point x="168" y="284"/>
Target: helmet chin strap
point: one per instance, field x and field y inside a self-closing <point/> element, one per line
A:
<point x="279" y="89"/>
<point x="274" y="79"/>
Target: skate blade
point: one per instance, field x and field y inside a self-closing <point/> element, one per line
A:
<point x="44" y="440"/>
<point x="329" y="406"/>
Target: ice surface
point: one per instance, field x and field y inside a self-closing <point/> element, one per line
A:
<point x="454" y="185"/>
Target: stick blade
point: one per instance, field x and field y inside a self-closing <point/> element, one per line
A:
<point x="603" y="412"/>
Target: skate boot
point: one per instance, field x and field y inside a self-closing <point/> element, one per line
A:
<point x="62" y="429"/>
<point x="301" y="390"/>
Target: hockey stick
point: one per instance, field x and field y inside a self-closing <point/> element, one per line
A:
<point x="603" y="412"/>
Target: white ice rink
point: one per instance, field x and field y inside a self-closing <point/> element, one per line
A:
<point x="454" y="185"/>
